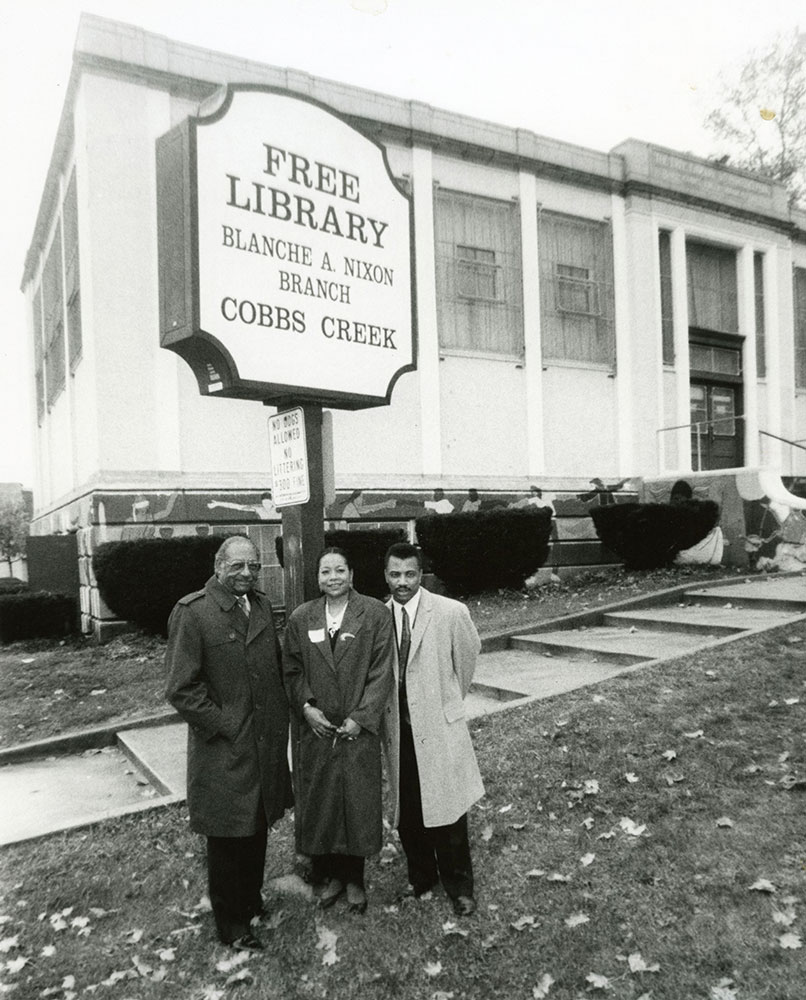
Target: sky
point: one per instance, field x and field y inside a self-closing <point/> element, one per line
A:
<point x="590" y="72"/>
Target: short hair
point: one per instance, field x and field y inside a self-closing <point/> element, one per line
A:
<point x="334" y="550"/>
<point x="226" y="545"/>
<point x="403" y="550"/>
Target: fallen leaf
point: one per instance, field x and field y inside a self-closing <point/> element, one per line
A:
<point x="576" y="919"/>
<point x="587" y="859"/>
<point x="69" y="982"/>
<point x="79" y="921"/>
<point x="228" y="964"/>
<point x="723" y="993"/>
<point x="784" y="757"/>
<point x="525" y="921"/>
<point x="327" y="943"/>
<point x="752" y="769"/>
<point x="607" y="835"/>
<point x="241" y="976"/>
<point x="211" y="993"/>
<point x="134" y="936"/>
<point x="116" y="977"/>
<point x="10" y="942"/>
<point x="433" y="968"/>
<point x="598" y="982"/>
<point x="591" y="787"/>
<point x="631" y="827"/>
<point x="535" y="873"/>
<point x="167" y="955"/>
<point x="505" y="809"/>
<point x="784" y="917"/>
<point x="637" y="963"/>
<point x="142" y="967"/>
<point x="557" y="877"/>
<point x="541" y="990"/>
<point x="487" y="832"/>
<point x="14" y="965"/>
<point x="48" y="951"/>
<point x="695" y="735"/>
<point x="587" y="822"/>
<point x="792" y="701"/>
<point x="630" y="778"/>
<point x="449" y="927"/>
<point x="790" y="940"/>
<point x="724" y="821"/>
<point x="517" y="826"/>
<point x="762" y="885"/>
<point x="97" y="691"/>
<point x="442" y="995"/>
<point x="669" y="754"/>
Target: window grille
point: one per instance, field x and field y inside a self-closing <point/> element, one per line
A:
<point x="758" y="278"/>
<point x="712" y="291"/>
<point x="666" y="298"/>
<point x="479" y="275"/>
<point x="577" y="303"/>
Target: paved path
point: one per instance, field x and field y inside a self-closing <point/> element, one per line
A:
<point x="146" y="766"/>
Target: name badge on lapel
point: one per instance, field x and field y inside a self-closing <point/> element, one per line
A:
<point x="316" y="634"/>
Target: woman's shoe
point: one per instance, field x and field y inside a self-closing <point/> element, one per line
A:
<point x="331" y="892"/>
<point x="356" y="898"/>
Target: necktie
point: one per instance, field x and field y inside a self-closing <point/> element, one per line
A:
<point x="405" y="643"/>
<point x="243" y="603"/>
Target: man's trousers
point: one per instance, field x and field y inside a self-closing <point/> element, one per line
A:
<point x="235" y="877"/>
<point x="438" y="853"/>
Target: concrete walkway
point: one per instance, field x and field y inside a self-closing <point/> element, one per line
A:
<point x="145" y="766"/>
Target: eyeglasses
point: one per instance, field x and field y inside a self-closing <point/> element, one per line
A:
<point x="237" y="567"/>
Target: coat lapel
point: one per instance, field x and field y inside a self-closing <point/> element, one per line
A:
<point x="317" y="632"/>
<point x="421" y="622"/>
<point x="258" y="618"/>
<point x="350" y="627"/>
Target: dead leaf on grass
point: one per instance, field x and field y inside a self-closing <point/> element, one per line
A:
<point x="597" y="982"/>
<point x="487" y="832"/>
<point x="631" y="827"/>
<point x="669" y="754"/>
<point x="48" y="951"/>
<point x="528" y="920"/>
<point x="587" y="822"/>
<point x="541" y="990"/>
<point x="695" y="735"/>
<point x="134" y="936"/>
<point x="576" y="919"/>
<point x="433" y="968"/>
<point x="15" y="965"/>
<point x="10" y="942"/>
<point x="631" y="778"/>
<point x="607" y="835"/>
<point x="505" y="809"/>
<point x="587" y="859"/>
<point x="790" y="940"/>
<point x="720" y="992"/>
<point x="784" y="917"/>
<point x="535" y="873"/>
<point x="327" y="944"/>
<point x="557" y="877"/>
<point x="449" y="927"/>
<point x="637" y="964"/>
<point x="792" y="701"/>
<point x="590" y="787"/>
<point x="724" y="821"/>
<point x="241" y="976"/>
<point x="762" y="885"/>
<point x="228" y="964"/>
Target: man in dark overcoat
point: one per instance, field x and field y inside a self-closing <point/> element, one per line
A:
<point x="225" y="680"/>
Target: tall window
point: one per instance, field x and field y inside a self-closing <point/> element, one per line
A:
<point x="39" y="357"/>
<point x="72" y="292"/>
<point x="53" y="307"/>
<point x="479" y="278"/>
<point x="576" y="289"/>
<point x="799" y="275"/>
<point x="712" y="293"/>
<point x="761" y="349"/>
<point x="666" y="300"/>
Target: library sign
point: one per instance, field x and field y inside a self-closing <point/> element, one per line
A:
<point x="285" y="254"/>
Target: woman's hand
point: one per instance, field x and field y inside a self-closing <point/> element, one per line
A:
<point x="348" y="730"/>
<point x="318" y="721"/>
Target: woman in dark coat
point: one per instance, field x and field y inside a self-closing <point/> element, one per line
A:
<point x="338" y="654"/>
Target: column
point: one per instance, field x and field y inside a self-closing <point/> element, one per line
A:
<point x="427" y="331"/>
<point x="624" y="359"/>
<point x="532" y="342"/>
<point x="746" y="279"/>
<point x="681" y="356"/>
<point x="772" y="344"/>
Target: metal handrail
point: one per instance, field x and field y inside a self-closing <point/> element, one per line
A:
<point x="698" y="423"/>
<point x="794" y="444"/>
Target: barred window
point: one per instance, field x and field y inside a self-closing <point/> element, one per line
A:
<point x="712" y="292"/>
<point x="479" y="277"/>
<point x="577" y="302"/>
<point x="799" y="277"/>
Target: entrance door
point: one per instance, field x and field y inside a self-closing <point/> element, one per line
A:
<point x="716" y="433"/>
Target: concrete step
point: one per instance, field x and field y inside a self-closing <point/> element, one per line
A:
<point x="60" y="793"/>
<point x="698" y="619"/>
<point x="611" y="644"/>
<point x="530" y="674"/>
<point x="159" y="752"/>
<point x="787" y="594"/>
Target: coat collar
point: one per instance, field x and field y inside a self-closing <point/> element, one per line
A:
<point x="259" y="617"/>
<point x="351" y="623"/>
<point x="421" y="620"/>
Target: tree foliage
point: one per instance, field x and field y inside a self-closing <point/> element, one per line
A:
<point x="761" y="118"/>
<point x="13" y="529"/>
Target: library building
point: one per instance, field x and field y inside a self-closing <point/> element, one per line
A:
<point x="584" y="327"/>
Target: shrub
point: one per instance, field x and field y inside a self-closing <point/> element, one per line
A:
<point x="142" y="580"/>
<point x="11" y="585"/>
<point x="485" y="550"/>
<point x="36" y="615"/>
<point x="649" y="535"/>
<point x="366" y="549"/>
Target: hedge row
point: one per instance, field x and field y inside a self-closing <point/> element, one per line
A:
<point x="142" y="580"/>
<point x="36" y="615"/>
<point x="649" y="535"/>
<point x="485" y="550"/>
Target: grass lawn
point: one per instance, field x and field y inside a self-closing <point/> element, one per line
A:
<point x="50" y="688"/>
<point x="642" y="838"/>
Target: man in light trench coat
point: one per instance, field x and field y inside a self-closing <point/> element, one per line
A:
<point x="433" y="775"/>
<point x="225" y="680"/>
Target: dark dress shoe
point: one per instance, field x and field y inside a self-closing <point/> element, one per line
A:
<point x="464" y="906"/>
<point x="248" y="942"/>
<point x="331" y="892"/>
<point x="356" y="898"/>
